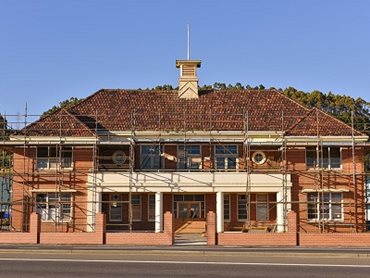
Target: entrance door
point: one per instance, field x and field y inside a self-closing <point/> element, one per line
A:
<point x="188" y="210"/>
<point x="189" y="218"/>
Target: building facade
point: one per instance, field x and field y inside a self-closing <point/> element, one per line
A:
<point x="249" y="156"/>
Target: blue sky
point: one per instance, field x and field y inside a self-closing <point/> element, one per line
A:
<point x="53" y="50"/>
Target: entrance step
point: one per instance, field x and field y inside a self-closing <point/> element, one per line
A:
<point x="190" y="239"/>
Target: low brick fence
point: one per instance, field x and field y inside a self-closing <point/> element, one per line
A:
<point x="31" y="237"/>
<point x="98" y="237"/>
<point x="145" y="238"/>
<point x="262" y="239"/>
<point x="334" y="239"/>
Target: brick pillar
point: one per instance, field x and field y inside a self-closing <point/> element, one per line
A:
<point x="211" y="228"/>
<point x="35" y="225"/>
<point x="100" y="227"/>
<point x="168" y="226"/>
<point x="292" y="226"/>
<point x="292" y="222"/>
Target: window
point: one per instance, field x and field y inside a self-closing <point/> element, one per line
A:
<point x="325" y="206"/>
<point x="54" y="207"/>
<point x="51" y="157"/>
<point x="136" y="207"/>
<point x="329" y="158"/>
<point x="227" y="207"/>
<point x="242" y="207"/>
<point x="226" y="157"/>
<point x="259" y="157"/>
<point x="262" y="211"/>
<point x="189" y="157"/>
<point x="151" y="207"/>
<point x="150" y="157"/>
<point x="115" y="208"/>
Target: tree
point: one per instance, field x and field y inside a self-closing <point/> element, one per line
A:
<point x="64" y="104"/>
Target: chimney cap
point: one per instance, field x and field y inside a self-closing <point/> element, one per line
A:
<point x="188" y="62"/>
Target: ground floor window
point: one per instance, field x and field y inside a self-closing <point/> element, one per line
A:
<point x="262" y="209"/>
<point x="54" y="207"/>
<point x="242" y="207"/>
<point x="227" y="207"/>
<point x="136" y="207"/>
<point x="151" y="207"/>
<point x="115" y="208"/>
<point x="325" y="206"/>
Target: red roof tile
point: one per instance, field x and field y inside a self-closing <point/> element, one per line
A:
<point x="112" y="110"/>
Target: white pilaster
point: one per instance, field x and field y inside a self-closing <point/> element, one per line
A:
<point x="219" y="212"/>
<point x="158" y="212"/>
<point x="280" y="211"/>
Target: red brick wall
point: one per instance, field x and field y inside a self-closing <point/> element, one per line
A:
<point x="145" y="238"/>
<point x="261" y="239"/>
<point x="334" y="239"/>
<point x="96" y="237"/>
<point x="30" y="237"/>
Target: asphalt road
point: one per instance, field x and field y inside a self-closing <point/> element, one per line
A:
<point x="126" y="263"/>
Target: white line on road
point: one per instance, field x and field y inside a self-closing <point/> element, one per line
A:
<point x="177" y="262"/>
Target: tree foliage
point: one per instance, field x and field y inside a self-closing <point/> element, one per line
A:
<point x="64" y="104"/>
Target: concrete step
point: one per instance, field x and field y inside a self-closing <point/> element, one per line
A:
<point x="190" y="239"/>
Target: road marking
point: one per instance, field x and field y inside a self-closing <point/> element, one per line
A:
<point x="177" y="262"/>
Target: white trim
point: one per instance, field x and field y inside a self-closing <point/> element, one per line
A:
<point x="49" y="190"/>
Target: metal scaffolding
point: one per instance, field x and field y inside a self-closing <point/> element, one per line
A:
<point x="30" y="175"/>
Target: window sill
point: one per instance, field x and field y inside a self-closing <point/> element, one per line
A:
<point x="326" y="221"/>
<point x="325" y="169"/>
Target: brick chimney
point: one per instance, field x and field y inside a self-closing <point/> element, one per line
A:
<point x="188" y="82"/>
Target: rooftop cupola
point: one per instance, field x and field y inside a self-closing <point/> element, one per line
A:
<point x="188" y="82"/>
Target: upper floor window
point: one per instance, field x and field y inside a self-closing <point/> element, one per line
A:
<point x="189" y="157"/>
<point x="54" y="207"/>
<point x="54" y="157"/>
<point x="325" y="206"/>
<point x="150" y="157"/>
<point x="327" y="157"/>
<point x="226" y="157"/>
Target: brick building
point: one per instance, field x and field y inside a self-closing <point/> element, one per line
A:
<point x="250" y="157"/>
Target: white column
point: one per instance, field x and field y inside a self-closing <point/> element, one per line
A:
<point x="99" y="200"/>
<point x="158" y="212"/>
<point x="280" y="211"/>
<point x="219" y="212"/>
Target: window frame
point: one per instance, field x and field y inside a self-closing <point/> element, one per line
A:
<point x="149" y="207"/>
<point x="265" y="205"/>
<point x="226" y="157"/>
<point x="318" y="207"/>
<point x="229" y="207"/>
<point x="119" y="205"/>
<point x="152" y="157"/>
<point x="52" y="161"/>
<point x="58" y="210"/>
<point x="140" y="208"/>
<point x="246" y="208"/>
<point x="320" y="166"/>
<point x="188" y="157"/>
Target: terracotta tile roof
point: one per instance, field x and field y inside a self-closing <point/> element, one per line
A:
<point x="111" y="110"/>
<point x="60" y="123"/>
